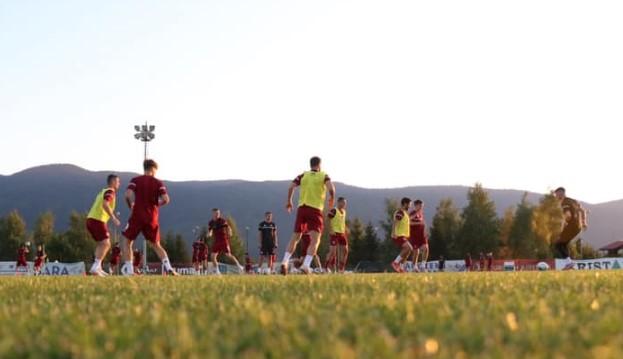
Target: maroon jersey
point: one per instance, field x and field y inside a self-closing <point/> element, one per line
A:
<point x="418" y="225"/>
<point x="220" y="229"/>
<point x="21" y="255"/>
<point x="147" y="191"/>
<point x="115" y="254"/>
<point x="200" y="250"/>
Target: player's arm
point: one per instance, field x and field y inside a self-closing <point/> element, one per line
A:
<point x="289" y="204"/>
<point x="164" y="200"/>
<point x="583" y="217"/>
<point x="332" y="213"/>
<point x="331" y="189"/>
<point x="394" y="225"/>
<point x="276" y="238"/>
<point x="129" y="198"/>
<point x="109" y="211"/>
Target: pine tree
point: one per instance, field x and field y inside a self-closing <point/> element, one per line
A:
<point x="481" y="228"/>
<point x="357" y="243"/>
<point x="444" y="232"/>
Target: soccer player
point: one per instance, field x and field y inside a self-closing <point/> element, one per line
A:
<point x="115" y="259"/>
<point x="200" y="252"/>
<point x="314" y="185"/>
<point x="489" y="262"/>
<point x="468" y="263"/>
<point x="103" y="210"/>
<point x="268" y="241"/>
<point x="338" y="237"/>
<point x="219" y="229"/>
<point x="482" y="261"/>
<point x="574" y="221"/>
<point x="22" y="262"/>
<point x="305" y="243"/>
<point x="401" y="233"/>
<point x="137" y="261"/>
<point x="418" y="237"/>
<point x="41" y="256"/>
<point x="144" y="196"/>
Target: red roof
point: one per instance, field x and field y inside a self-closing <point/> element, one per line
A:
<point x="614" y="246"/>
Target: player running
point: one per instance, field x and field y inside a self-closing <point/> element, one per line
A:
<point x="219" y="229"/>
<point x="401" y="233"/>
<point x="144" y="196"/>
<point x="338" y="236"/>
<point x="305" y="243"/>
<point x="103" y="210"/>
<point x="574" y="221"/>
<point x="418" y="237"/>
<point x="40" y="259"/>
<point x="268" y="241"/>
<point x="115" y="259"/>
<point x="314" y="185"/>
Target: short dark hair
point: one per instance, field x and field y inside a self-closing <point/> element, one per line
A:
<point x="418" y="201"/>
<point x="405" y="201"/>
<point x="150" y="164"/>
<point x="315" y="161"/>
<point x="215" y="209"/>
<point x="267" y="213"/>
<point x="111" y="177"/>
<point x="341" y="199"/>
<point x="560" y="189"/>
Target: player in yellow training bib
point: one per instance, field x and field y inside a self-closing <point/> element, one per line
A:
<point x="338" y="237"/>
<point x="401" y="232"/>
<point x="101" y="212"/>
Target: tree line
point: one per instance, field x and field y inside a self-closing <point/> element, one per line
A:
<point x="524" y="231"/>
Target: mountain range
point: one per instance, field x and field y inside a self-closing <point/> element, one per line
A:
<point x="62" y="188"/>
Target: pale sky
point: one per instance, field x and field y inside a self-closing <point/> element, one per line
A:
<point x="523" y="94"/>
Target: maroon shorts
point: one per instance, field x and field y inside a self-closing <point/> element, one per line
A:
<point x="22" y="263"/>
<point x="400" y="241"/>
<point x="38" y="262"/>
<point x="308" y="219"/>
<point x="150" y="231"/>
<point x="97" y="229"/>
<point x="221" y="246"/>
<point x="339" y="239"/>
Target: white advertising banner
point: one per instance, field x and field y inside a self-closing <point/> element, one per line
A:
<point x="10" y="268"/>
<point x="63" y="269"/>
<point x="592" y="264"/>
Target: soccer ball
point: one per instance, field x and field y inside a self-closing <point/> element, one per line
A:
<point x="542" y="266"/>
<point x="27" y="244"/>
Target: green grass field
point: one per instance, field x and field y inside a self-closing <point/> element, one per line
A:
<point x="497" y="315"/>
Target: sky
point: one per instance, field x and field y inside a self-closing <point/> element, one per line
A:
<point x="524" y="94"/>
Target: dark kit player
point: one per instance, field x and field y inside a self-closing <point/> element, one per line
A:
<point x="268" y="243"/>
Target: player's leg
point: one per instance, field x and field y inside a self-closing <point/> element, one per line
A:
<point x="214" y="257"/>
<point x="345" y="250"/>
<point x="152" y="235"/>
<point x="312" y="251"/>
<point x="330" y="263"/>
<point x="100" y="253"/>
<point x="296" y="237"/>
<point x="425" y="253"/>
<point x="416" y="258"/>
<point x="235" y="260"/>
<point x="127" y="239"/>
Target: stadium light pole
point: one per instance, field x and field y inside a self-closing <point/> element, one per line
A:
<point x="145" y="134"/>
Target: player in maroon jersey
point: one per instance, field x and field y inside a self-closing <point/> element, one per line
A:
<point x="22" y="262"/>
<point x="40" y="260"/>
<point x="144" y="196"/>
<point x="418" y="236"/>
<point x="219" y="229"/>
<point x="115" y="259"/>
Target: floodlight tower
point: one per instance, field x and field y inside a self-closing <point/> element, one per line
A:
<point x="145" y="134"/>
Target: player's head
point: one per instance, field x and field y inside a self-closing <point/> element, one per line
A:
<point x="268" y="216"/>
<point x="113" y="181"/>
<point x="216" y="213"/>
<point x="560" y="193"/>
<point x="405" y="203"/>
<point x="418" y="204"/>
<point x="39" y="247"/>
<point x="315" y="163"/>
<point x="341" y="203"/>
<point x="150" y="167"/>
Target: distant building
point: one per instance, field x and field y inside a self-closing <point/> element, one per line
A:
<point x="614" y="249"/>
